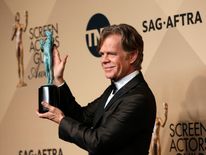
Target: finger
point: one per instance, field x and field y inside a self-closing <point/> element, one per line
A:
<point x="41" y="115"/>
<point x="56" y="54"/>
<point x="64" y="60"/>
<point x="46" y="105"/>
<point x="55" y="49"/>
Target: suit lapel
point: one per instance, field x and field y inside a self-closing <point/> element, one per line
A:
<point x="125" y="89"/>
<point x="100" y="109"/>
<point x="120" y="93"/>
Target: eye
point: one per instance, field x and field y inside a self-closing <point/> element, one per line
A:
<point x="101" y="53"/>
<point x="112" y="53"/>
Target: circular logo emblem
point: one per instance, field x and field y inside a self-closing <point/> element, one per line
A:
<point x="96" y="23"/>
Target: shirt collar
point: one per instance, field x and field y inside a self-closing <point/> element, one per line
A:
<point x="119" y="84"/>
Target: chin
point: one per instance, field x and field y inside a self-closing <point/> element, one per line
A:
<point x="109" y="77"/>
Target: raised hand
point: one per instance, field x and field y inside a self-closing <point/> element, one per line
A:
<point x="58" y="66"/>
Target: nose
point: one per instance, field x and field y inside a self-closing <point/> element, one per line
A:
<point x="104" y="58"/>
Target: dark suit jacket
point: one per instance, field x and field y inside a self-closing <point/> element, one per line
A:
<point x="124" y="127"/>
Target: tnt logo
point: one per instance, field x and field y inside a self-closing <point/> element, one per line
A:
<point x="96" y="23"/>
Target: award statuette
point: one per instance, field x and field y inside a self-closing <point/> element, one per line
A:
<point x="49" y="92"/>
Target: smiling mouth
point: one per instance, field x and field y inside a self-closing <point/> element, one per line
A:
<point x="108" y="68"/>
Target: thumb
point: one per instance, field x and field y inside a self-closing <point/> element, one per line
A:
<point x="46" y="105"/>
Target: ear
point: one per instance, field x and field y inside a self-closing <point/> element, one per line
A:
<point x="133" y="56"/>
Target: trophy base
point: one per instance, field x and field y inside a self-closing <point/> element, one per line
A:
<point x="49" y="94"/>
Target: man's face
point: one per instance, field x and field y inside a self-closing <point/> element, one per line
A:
<point x="116" y="62"/>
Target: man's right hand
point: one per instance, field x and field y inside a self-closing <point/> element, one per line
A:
<point x="58" y="66"/>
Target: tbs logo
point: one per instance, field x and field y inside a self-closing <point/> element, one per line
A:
<point x="96" y="23"/>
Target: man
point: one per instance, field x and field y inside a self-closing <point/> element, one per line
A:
<point x="121" y="120"/>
